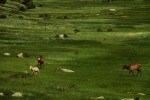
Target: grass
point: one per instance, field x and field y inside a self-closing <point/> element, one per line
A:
<point x="95" y="56"/>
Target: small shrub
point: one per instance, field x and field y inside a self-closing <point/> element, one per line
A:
<point x="65" y="36"/>
<point x="21" y="75"/>
<point x="7" y="93"/>
<point x="3" y="16"/>
<point x="3" y="1"/>
<point x="40" y="5"/>
<point x="109" y="30"/>
<point x="99" y="30"/>
<point x="65" y="17"/>
<point x="22" y="8"/>
<point x="62" y="17"/>
<point x="44" y="15"/>
<point x="29" y="4"/>
<point x="76" y="30"/>
<point x="57" y="36"/>
<point x="21" y="17"/>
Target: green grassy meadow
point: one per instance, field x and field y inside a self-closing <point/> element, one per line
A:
<point x="99" y="42"/>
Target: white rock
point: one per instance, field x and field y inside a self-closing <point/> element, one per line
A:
<point x="112" y="9"/>
<point x="7" y="54"/>
<point x="128" y="99"/>
<point x="1" y="94"/>
<point x="67" y="70"/>
<point x="98" y="98"/>
<point x="20" y="55"/>
<point x="26" y="72"/>
<point x="17" y="94"/>
<point x="61" y="36"/>
<point x="141" y="94"/>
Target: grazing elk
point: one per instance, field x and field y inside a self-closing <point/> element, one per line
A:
<point x="40" y="61"/>
<point x="133" y="67"/>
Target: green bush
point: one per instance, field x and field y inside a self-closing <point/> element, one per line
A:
<point x="22" y="8"/>
<point x="3" y="1"/>
<point x="3" y="16"/>
<point x="29" y="4"/>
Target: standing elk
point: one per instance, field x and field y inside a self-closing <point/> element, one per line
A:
<point x="40" y="61"/>
<point x="133" y="67"/>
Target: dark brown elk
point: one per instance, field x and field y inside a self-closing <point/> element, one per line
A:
<point x="132" y="68"/>
<point x="40" y="61"/>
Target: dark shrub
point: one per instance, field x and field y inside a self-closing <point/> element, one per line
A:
<point x="62" y="17"/>
<point x="40" y="5"/>
<point x="65" y="36"/>
<point x="7" y="93"/>
<point x="3" y="16"/>
<point x="44" y="15"/>
<point x="99" y="30"/>
<point x="57" y="36"/>
<point x="29" y="4"/>
<point x="21" y="17"/>
<point x="76" y="30"/>
<point x="16" y="0"/>
<point x="109" y="30"/>
<point x="3" y="1"/>
<point x="21" y="75"/>
<point x="65" y="17"/>
<point x="22" y="8"/>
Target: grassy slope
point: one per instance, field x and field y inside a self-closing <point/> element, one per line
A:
<point x="97" y="64"/>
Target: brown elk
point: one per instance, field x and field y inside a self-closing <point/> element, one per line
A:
<point x="133" y="67"/>
<point x="40" y="61"/>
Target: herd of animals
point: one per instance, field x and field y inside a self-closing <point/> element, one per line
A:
<point x="130" y="68"/>
<point x="39" y="65"/>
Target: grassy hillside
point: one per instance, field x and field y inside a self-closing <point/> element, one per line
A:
<point x="100" y="40"/>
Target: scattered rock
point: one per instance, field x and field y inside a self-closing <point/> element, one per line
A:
<point x="17" y="94"/>
<point x="141" y="94"/>
<point x="64" y="70"/>
<point x="61" y="36"/>
<point x="7" y="54"/>
<point x="127" y="99"/>
<point x="22" y="55"/>
<point x="112" y="10"/>
<point x="98" y="98"/>
<point x="67" y="70"/>
<point x="1" y="94"/>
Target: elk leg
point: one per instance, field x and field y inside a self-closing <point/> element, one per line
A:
<point x="137" y="72"/>
<point x="130" y="72"/>
<point x="140" y="72"/>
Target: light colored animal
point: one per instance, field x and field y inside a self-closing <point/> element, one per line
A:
<point x="133" y="67"/>
<point x="34" y="69"/>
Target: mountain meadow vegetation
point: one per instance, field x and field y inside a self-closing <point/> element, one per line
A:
<point x="92" y="39"/>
